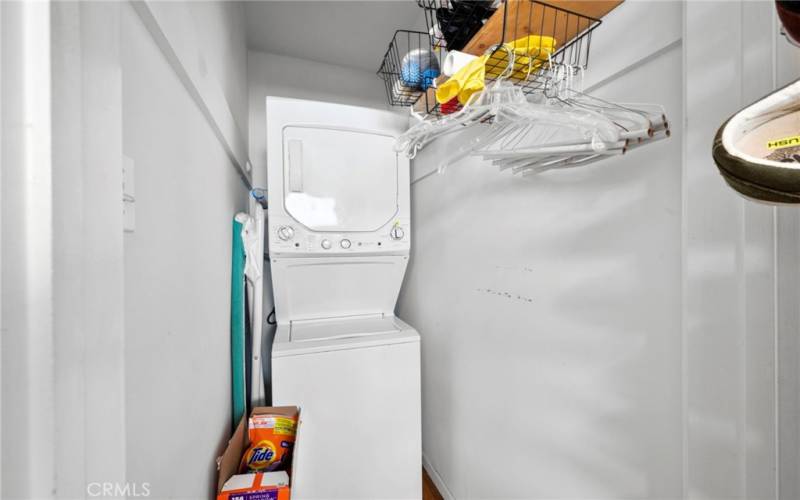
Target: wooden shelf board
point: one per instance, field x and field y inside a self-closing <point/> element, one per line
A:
<point x="521" y="21"/>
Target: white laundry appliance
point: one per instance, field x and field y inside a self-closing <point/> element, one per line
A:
<point x="339" y="240"/>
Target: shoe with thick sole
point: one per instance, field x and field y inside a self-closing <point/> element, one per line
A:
<point x="758" y="149"/>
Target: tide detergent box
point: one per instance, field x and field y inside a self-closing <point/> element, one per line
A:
<point x="271" y="442"/>
<point x="256" y="486"/>
<point x="247" y="469"/>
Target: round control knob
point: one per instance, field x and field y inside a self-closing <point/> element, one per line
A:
<point x="397" y="233"/>
<point x="345" y="243"/>
<point x="285" y="233"/>
<point x="326" y="244"/>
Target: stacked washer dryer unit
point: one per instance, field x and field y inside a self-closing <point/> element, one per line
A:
<point x="339" y="220"/>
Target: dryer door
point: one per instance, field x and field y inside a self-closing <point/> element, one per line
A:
<point x="339" y="179"/>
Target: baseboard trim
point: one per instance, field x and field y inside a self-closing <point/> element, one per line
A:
<point x="437" y="479"/>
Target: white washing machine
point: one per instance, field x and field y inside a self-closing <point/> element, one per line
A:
<point x="339" y="240"/>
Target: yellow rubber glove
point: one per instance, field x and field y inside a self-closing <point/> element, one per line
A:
<point x="472" y="77"/>
<point x="535" y="47"/>
<point x="469" y="77"/>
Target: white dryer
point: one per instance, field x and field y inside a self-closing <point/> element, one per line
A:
<point x="339" y="240"/>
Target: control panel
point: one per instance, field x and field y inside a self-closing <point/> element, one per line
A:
<point x="287" y="237"/>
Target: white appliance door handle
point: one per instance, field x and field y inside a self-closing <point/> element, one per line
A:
<point x="295" y="165"/>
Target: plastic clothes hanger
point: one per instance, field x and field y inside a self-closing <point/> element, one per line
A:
<point x="474" y="111"/>
<point x="421" y="134"/>
<point x="516" y="119"/>
<point x="634" y="124"/>
<point x="566" y="153"/>
<point x="591" y="132"/>
<point x="559" y="126"/>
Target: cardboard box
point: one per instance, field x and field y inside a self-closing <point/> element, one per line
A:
<point x="256" y="486"/>
<point x="262" y="486"/>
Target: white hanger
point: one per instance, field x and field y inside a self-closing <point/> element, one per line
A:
<point x="569" y="128"/>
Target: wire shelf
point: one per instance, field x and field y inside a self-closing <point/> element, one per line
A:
<point x="409" y="69"/>
<point x="544" y="41"/>
<point x="514" y="25"/>
<point x="571" y="31"/>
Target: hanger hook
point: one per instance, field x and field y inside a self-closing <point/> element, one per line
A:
<point x="531" y="58"/>
<point x="509" y="69"/>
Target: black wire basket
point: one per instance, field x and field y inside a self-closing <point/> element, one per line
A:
<point x="409" y="69"/>
<point x="473" y="26"/>
<point x="529" y="42"/>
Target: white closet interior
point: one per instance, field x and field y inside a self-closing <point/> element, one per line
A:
<point x="627" y="328"/>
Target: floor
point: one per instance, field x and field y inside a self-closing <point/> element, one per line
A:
<point x="429" y="491"/>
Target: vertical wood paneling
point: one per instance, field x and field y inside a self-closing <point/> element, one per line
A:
<point x="786" y="60"/>
<point x="69" y="446"/>
<point x="102" y="250"/>
<point x="758" y="359"/>
<point x="738" y="255"/>
<point x="788" y="353"/>
<point x="713" y="231"/>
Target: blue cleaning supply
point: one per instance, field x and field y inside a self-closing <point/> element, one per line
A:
<point x="428" y="77"/>
<point x="410" y="75"/>
<point x="260" y="195"/>
<point x="414" y="67"/>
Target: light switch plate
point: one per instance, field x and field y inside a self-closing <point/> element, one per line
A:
<point x="128" y="195"/>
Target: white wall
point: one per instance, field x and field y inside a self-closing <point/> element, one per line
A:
<point x="785" y="68"/>
<point x="26" y="205"/>
<point x="177" y="267"/>
<point x="271" y="74"/>
<point x="549" y="310"/>
<point x="740" y="338"/>
<point x="638" y="348"/>
<point x="141" y="327"/>
<point x="222" y="35"/>
<point x="204" y="44"/>
<point x="88" y="251"/>
<point x="609" y="332"/>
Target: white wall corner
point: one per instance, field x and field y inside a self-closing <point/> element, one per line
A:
<point x="436" y="478"/>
